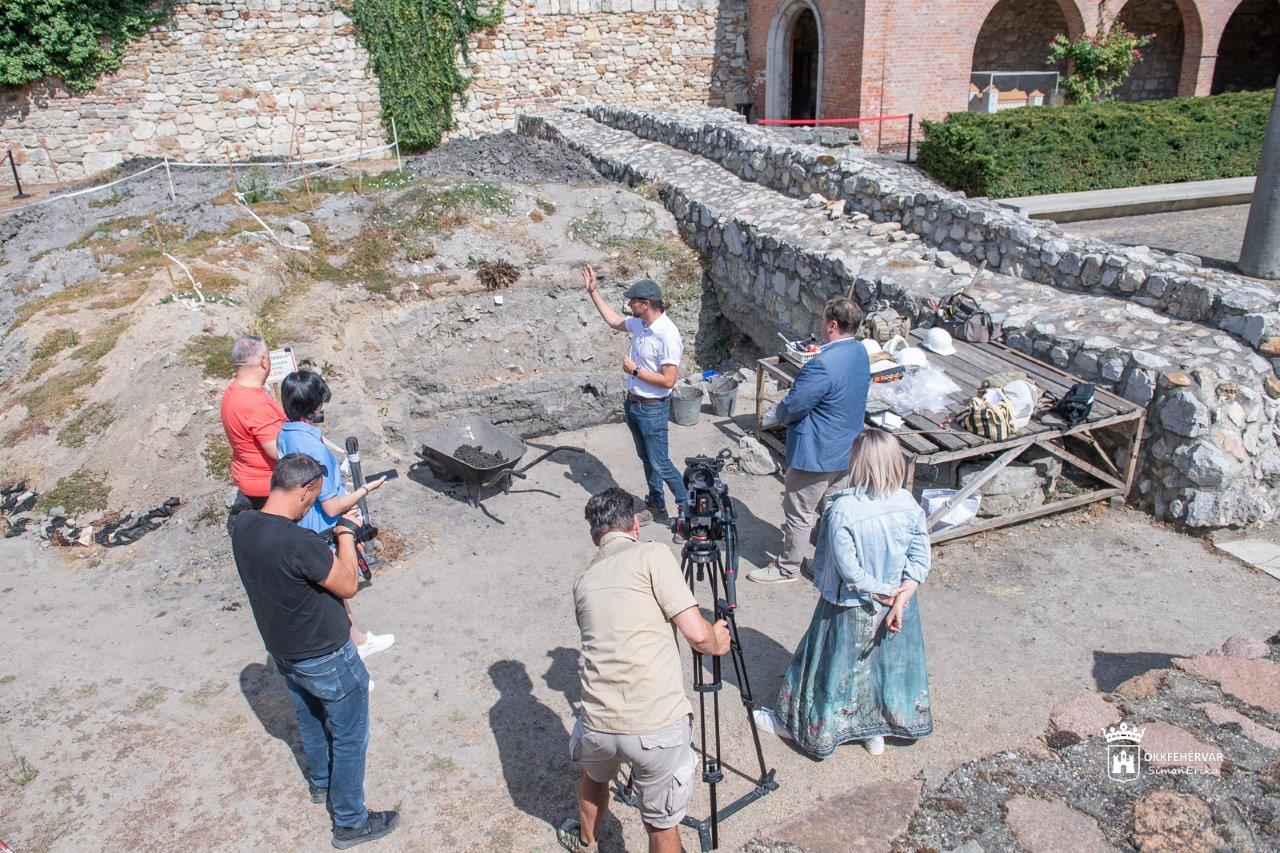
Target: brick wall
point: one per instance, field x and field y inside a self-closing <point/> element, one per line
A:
<point x="883" y="57"/>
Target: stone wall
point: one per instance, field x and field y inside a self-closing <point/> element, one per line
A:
<point x="1209" y="456"/>
<point x="1016" y="36"/>
<point x="239" y="78"/>
<point x="976" y="230"/>
<point x="224" y="78"/>
<point x="1155" y="75"/>
<point x="690" y="52"/>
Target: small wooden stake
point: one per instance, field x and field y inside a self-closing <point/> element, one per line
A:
<point x="155" y="229"/>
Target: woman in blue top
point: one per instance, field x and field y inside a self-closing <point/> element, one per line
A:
<point x="859" y="672"/>
<point x="304" y="395"/>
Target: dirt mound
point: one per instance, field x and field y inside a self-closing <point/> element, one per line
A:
<point x="507" y="157"/>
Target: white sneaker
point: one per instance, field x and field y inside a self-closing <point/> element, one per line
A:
<point x="874" y="745"/>
<point x="370" y="685"/>
<point x="374" y="643"/>
<point x="767" y="720"/>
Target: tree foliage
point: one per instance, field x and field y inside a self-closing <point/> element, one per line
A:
<point x="76" y="41"/>
<point x="418" y="49"/>
<point x="1035" y="150"/>
<point x="1100" y="63"/>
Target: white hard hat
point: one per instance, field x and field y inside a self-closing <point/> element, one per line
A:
<point x="938" y="340"/>
<point x="872" y="345"/>
<point x="912" y="357"/>
<point x="894" y="344"/>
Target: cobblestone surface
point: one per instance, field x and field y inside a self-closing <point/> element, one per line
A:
<point x="1214" y="235"/>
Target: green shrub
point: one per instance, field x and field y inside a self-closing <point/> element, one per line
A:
<point x="75" y="40"/>
<point x="417" y="48"/>
<point x="1037" y="150"/>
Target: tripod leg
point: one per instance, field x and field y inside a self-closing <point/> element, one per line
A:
<point x="744" y="687"/>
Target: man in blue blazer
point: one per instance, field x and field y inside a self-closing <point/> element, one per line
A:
<point x="823" y="414"/>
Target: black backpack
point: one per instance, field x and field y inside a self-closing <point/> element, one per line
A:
<point x="1075" y="405"/>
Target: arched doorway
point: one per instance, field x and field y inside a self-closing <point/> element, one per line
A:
<point x="1015" y="36"/>
<point x="794" y="65"/>
<point x="1156" y="73"/>
<point x="804" y="66"/>
<point x="1249" y="50"/>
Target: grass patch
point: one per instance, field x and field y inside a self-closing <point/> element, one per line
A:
<point x="438" y="209"/>
<point x="212" y="354"/>
<point x="8" y="679"/>
<point x="271" y="316"/>
<point x="90" y="420"/>
<point x="77" y="493"/>
<point x="21" y="772"/>
<point x="217" y="458"/>
<point x="216" y="282"/>
<point x="100" y="343"/>
<point x="545" y="206"/>
<point x="47" y="350"/>
<point x="51" y="400"/>
<point x="683" y="279"/>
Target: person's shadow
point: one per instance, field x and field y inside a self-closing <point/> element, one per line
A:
<point x="265" y="691"/>
<point x="533" y="747"/>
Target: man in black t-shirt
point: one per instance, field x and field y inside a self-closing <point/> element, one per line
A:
<point x="295" y="586"/>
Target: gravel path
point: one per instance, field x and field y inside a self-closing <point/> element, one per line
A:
<point x="1213" y="234"/>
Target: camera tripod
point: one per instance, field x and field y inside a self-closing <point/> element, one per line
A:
<point x="702" y="559"/>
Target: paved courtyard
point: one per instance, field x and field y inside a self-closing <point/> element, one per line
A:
<point x="1214" y="234"/>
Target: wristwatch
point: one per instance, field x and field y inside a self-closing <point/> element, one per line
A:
<point x="635" y="371"/>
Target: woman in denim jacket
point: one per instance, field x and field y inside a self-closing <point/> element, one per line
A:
<point x="859" y="672"/>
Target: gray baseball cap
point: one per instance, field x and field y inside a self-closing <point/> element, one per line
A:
<point x="645" y="289"/>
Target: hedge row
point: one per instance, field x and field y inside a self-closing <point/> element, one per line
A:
<point x="1037" y="150"/>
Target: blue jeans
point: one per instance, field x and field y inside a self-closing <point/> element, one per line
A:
<point x="331" y="698"/>
<point x="648" y="425"/>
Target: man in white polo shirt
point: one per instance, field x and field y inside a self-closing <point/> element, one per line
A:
<point x="652" y="367"/>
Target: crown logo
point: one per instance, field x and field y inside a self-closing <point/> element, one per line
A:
<point x="1124" y="733"/>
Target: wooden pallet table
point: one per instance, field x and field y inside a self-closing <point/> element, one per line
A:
<point x="927" y="439"/>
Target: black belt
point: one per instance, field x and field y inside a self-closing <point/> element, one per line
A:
<point x="648" y="401"/>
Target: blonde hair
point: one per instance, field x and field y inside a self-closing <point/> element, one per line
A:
<point x="877" y="464"/>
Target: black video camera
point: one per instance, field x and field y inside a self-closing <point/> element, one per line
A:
<point x="364" y="533"/>
<point x="707" y="519"/>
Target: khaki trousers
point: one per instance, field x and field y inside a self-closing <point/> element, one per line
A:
<point x="804" y="498"/>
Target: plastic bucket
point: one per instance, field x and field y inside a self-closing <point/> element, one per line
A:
<point x="724" y="394"/>
<point x="686" y="405"/>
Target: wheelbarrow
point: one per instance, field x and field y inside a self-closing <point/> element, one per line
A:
<point x="440" y="445"/>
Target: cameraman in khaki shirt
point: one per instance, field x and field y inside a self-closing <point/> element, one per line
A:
<point x="629" y="602"/>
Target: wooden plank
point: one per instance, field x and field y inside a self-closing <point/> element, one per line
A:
<point x="1026" y="515"/>
<point x="1077" y="462"/>
<point x="1028" y="438"/>
<point x="976" y="483"/>
<point x="1110" y="398"/>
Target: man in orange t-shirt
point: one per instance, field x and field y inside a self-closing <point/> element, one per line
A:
<point x="251" y="418"/>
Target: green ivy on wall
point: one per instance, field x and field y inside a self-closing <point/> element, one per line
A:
<point x="417" y="49"/>
<point x="75" y="40"/>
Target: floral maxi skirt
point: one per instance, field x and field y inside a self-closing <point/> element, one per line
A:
<point x="850" y="679"/>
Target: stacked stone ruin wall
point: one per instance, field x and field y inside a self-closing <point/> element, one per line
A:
<point x="1209" y="455"/>
<point x="977" y="230"/>
<point x="277" y="78"/>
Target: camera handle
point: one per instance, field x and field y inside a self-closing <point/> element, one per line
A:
<point x="357" y="481"/>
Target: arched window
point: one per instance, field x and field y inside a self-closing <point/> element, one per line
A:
<point x="1249" y="51"/>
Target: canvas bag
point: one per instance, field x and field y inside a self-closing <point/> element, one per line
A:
<point x="991" y="420"/>
<point x="884" y="323"/>
<point x="965" y="320"/>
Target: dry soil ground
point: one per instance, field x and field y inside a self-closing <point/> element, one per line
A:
<point x="136" y="703"/>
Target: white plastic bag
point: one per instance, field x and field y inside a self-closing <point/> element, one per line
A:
<point x="923" y="389"/>
<point x="963" y="512"/>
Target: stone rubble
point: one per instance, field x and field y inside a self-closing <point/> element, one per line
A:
<point x="1209" y="456"/>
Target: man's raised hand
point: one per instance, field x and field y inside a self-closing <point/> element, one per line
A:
<point x="589" y="277"/>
